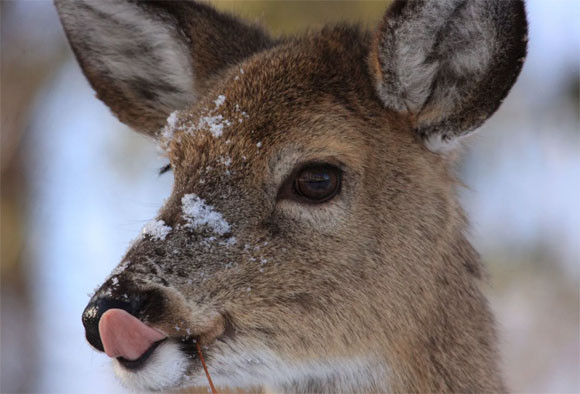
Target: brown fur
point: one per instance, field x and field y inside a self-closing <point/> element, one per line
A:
<point x="383" y="272"/>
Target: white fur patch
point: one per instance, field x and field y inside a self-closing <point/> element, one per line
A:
<point x="436" y="144"/>
<point x="237" y="366"/>
<point x="265" y="368"/>
<point x="245" y="366"/>
<point x="165" y="368"/>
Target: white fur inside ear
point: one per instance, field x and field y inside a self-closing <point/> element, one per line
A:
<point x="131" y="44"/>
<point x="446" y="39"/>
<point x="434" y="58"/>
<point x="165" y="368"/>
<point x="437" y="144"/>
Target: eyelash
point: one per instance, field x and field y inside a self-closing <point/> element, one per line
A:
<point x="164" y="169"/>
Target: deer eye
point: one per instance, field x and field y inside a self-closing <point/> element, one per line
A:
<point x="318" y="183"/>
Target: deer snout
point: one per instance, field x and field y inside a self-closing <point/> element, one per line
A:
<point x="113" y="321"/>
<point x="93" y="313"/>
<point x="113" y="325"/>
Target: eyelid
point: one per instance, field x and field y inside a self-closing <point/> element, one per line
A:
<point x="326" y="162"/>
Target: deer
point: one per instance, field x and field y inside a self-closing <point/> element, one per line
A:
<point x="313" y="240"/>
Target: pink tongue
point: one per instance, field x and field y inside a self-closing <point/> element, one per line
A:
<point x="123" y="335"/>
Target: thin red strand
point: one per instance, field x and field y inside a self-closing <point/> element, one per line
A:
<point x="211" y="386"/>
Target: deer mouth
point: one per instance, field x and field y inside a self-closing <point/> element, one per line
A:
<point x="145" y="358"/>
<point x="127" y="338"/>
<point x="142" y="360"/>
<point x="163" y="366"/>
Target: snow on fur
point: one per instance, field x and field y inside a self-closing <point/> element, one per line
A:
<point x="215" y="124"/>
<point x="198" y="214"/>
<point x="219" y="101"/>
<point x="211" y="121"/>
<point x="171" y="126"/>
<point x="157" y="229"/>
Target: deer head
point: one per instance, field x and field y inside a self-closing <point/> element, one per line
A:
<point x="313" y="240"/>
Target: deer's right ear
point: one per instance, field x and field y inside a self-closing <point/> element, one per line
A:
<point x="146" y="59"/>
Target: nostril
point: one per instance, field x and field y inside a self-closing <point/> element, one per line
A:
<point x="93" y="312"/>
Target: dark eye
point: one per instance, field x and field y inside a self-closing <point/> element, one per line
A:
<point x="318" y="183"/>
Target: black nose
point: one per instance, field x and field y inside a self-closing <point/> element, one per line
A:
<point x="93" y="312"/>
<point x="147" y="304"/>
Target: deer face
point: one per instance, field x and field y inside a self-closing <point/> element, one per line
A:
<point x="309" y="229"/>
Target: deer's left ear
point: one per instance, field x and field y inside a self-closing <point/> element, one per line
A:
<point x="448" y="64"/>
<point x="146" y="59"/>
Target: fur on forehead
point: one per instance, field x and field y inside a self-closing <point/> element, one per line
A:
<point x="288" y="87"/>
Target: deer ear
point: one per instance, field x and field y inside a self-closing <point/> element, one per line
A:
<point x="448" y="63"/>
<point x="146" y="59"/>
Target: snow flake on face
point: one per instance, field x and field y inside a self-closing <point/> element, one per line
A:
<point x="211" y="120"/>
<point x="243" y="114"/>
<point x="226" y="161"/>
<point x="215" y="125"/>
<point x="219" y="101"/>
<point x="172" y="120"/>
<point x="120" y="268"/>
<point x="156" y="229"/>
<point x="216" y="122"/>
<point x="199" y="214"/>
<point x="230" y="241"/>
<point x="170" y="127"/>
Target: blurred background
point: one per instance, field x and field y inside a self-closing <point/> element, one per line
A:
<point x="77" y="186"/>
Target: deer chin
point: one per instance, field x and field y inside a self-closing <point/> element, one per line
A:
<point x="165" y="367"/>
